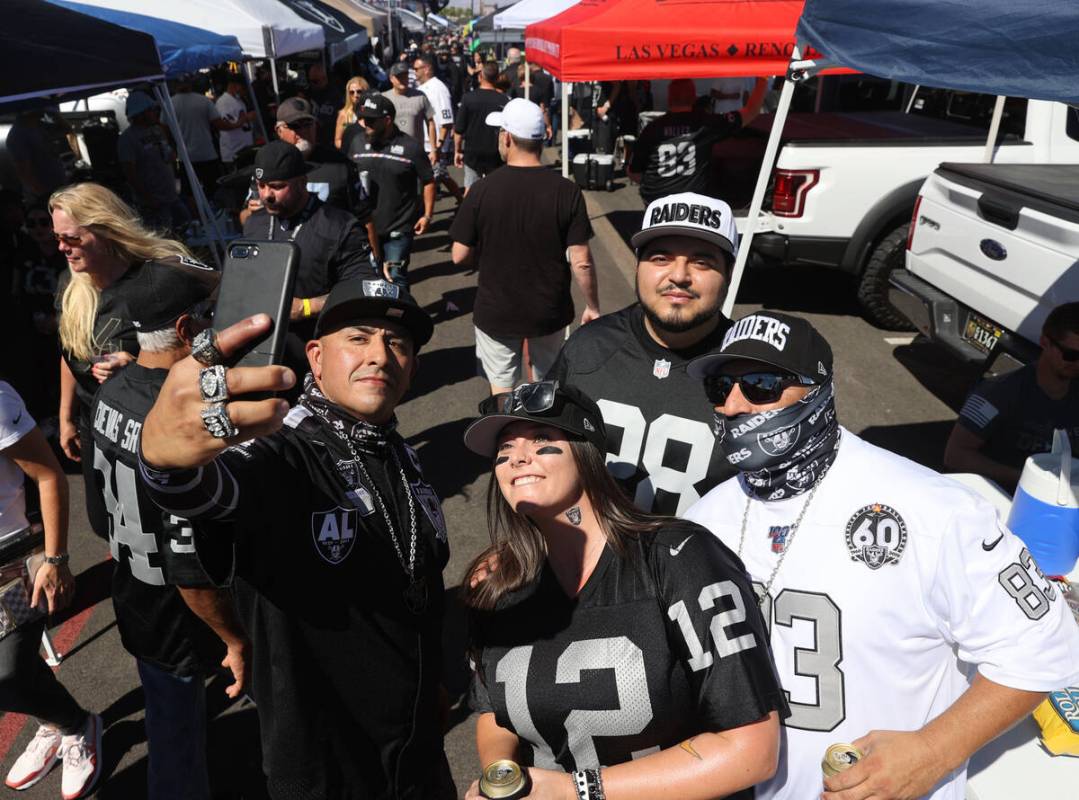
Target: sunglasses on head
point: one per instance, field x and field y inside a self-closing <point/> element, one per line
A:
<point x="533" y="398"/>
<point x="1067" y="353"/>
<point x="758" y="388"/>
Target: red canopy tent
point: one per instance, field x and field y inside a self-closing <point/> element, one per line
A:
<point x="598" y="40"/>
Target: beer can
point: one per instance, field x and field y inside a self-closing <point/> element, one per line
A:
<point x="840" y="756"/>
<point x="505" y="780"/>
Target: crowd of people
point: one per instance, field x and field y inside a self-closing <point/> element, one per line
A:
<point x="643" y="623"/>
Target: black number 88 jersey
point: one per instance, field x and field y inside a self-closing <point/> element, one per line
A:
<point x="663" y="643"/>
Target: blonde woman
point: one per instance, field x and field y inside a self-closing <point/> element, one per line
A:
<point x="104" y="243"/>
<point x="354" y="89"/>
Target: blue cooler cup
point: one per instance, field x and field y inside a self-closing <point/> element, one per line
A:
<point x="1045" y="510"/>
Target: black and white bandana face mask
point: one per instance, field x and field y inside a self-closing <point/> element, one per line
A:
<point x="785" y="451"/>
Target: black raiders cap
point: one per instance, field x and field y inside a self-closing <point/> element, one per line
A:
<point x="279" y="161"/>
<point x="689" y="214"/>
<point x="778" y="340"/>
<point x="163" y="290"/>
<point x="545" y="402"/>
<point x="356" y="298"/>
<point x="375" y="106"/>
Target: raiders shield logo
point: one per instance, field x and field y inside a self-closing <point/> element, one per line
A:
<point x="433" y="506"/>
<point x="876" y="535"/>
<point x="661" y="368"/>
<point x="777" y="443"/>
<point x="334" y="533"/>
<point x="259" y="173"/>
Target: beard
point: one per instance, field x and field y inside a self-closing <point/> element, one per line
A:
<point x="678" y="320"/>
<point x="304" y="146"/>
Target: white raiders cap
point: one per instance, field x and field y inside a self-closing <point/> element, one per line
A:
<point x="689" y="214"/>
<point x="522" y="118"/>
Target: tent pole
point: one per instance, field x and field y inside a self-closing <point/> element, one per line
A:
<point x="208" y="222"/>
<point x="994" y="129"/>
<point x="565" y="128"/>
<point x="762" y="183"/>
<point x="248" y="69"/>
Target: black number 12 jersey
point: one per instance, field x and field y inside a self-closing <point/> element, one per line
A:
<point x="663" y="643"/>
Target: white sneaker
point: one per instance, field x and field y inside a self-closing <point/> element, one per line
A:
<point x="81" y="755"/>
<point x="37" y="760"/>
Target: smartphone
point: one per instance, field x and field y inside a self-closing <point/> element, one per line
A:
<point x="258" y="277"/>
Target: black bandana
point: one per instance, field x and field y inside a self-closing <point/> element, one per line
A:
<point x="785" y="451"/>
<point x="366" y="437"/>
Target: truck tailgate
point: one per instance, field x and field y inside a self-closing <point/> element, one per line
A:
<point x="1007" y="253"/>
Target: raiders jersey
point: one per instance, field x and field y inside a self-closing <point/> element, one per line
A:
<point x="894" y="571"/>
<point x="660" y="445"/>
<point x="153" y="551"/>
<point x="662" y="643"/>
<point x="674" y="152"/>
<point x="345" y="671"/>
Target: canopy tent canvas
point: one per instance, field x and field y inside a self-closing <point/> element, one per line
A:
<point x="1018" y="48"/>
<point x="369" y="18"/>
<point x="343" y="34"/>
<point x="182" y="48"/>
<point x="48" y="50"/>
<point x="650" y="39"/>
<point x="411" y="21"/>
<point x="520" y="15"/>
<point x="264" y="28"/>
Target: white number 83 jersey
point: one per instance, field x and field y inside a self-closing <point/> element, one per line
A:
<point x="894" y="566"/>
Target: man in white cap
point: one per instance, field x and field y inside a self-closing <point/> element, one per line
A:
<point x="633" y="362"/>
<point x="519" y="221"/>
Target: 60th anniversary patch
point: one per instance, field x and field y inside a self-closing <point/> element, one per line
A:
<point x="876" y="535"/>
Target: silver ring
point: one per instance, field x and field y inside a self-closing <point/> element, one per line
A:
<point x="215" y="418"/>
<point x="212" y="384"/>
<point x="204" y="348"/>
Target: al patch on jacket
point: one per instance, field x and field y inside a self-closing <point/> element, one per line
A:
<point x="334" y="533"/>
<point x="876" y="535"/>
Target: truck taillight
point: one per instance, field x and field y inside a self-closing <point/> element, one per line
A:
<point x="913" y="220"/>
<point x="791" y="187"/>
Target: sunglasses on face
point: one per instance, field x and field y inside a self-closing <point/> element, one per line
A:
<point x="758" y="388"/>
<point x="1067" y="353"/>
<point x="39" y="222"/>
<point x="355" y="91"/>
<point x="70" y="241"/>
<point x="533" y="398"/>
<point x="303" y="125"/>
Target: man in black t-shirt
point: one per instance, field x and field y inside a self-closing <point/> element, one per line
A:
<point x="333" y="243"/>
<point x="156" y="567"/>
<point x="1010" y="417"/>
<point x="674" y="152"/>
<point x="475" y="143"/>
<point x="393" y="164"/>
<point x="333" y="540"/>
<point x="633" y="362"/>
<point x="518" y="223"/>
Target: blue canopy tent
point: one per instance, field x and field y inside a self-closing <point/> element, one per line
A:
<point x="1021" y="48"/>
<point x="1018" y="48"/>
<point x="182" y="47"/>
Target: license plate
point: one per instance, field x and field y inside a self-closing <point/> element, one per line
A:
<point x="982" y="333"/>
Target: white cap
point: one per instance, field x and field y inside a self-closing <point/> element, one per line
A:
<point x="520" y="117"/>
<point x="689" y="214"/>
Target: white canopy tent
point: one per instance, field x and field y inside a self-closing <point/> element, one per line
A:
<point x="520" y="15"/>
<point x="264" y="28"/>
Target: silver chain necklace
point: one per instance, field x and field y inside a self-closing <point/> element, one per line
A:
<point x="786" y="546"/>
<point x="416" y="593"/>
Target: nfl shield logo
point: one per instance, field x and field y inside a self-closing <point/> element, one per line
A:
<point x="661" y="368"/>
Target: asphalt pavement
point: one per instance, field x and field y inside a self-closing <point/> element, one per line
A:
<point x="892" y="389"/>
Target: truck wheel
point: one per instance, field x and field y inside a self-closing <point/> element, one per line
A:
<point x="886" y="257"/>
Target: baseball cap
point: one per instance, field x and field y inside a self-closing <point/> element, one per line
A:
<point x="375" y="106"/>
<point x="280" y="161"/>
<point x="778" y="340"/>
<point x="400" y="69"/>
<point x="357" y="298"/>
<point x="689" y="214"/>
<point x="520" y="117"/>
<point x="138" y="103"/>
<point x="545" y="402"/>
<point x="164" y="289"/>
<point x="293" y="110"/>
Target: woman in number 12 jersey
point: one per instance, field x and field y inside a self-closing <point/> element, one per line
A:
<point x="624" y="647"/>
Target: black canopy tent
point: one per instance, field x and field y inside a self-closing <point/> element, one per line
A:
<point x="46" y="50"/>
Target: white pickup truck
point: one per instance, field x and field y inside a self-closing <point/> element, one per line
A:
<point x="994" y="247"/>
<point x="844" y="184"/>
